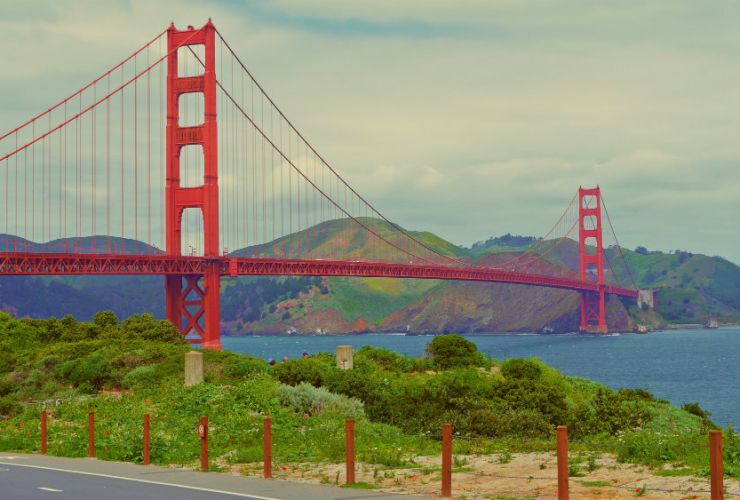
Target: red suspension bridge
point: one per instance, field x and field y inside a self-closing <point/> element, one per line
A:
<point x="176" y="162"/>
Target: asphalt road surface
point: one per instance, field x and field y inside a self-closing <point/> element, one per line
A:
<point x="26" y="477"/>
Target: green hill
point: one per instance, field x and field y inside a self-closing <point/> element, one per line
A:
<point x="692" y="287"/>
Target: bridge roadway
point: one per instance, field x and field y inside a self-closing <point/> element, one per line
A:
<point x="16" y="264"/>
<point x="31" y="477"/>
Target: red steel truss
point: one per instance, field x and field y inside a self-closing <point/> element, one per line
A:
<point x="16" y="264"/>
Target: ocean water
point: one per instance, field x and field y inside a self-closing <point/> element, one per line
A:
<point x="681" y="366"/>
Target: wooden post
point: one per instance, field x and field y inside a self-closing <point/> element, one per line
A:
<point x="267" y="448"/>
<point x="447" y="460"/>
<point x="716" y="468"/>
<point x="562" y="439"/>
<point x="203" y="434"/>
<point x="43" y="432"/>
<point x="350" y="450"/>
<point x="147" y="458"/>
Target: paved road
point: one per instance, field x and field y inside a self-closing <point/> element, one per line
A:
<point x="31" y="477"/>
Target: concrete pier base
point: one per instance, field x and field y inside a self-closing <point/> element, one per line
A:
<point x="344" y="357"/>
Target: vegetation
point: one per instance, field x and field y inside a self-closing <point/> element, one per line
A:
<point x="399" y="403"/>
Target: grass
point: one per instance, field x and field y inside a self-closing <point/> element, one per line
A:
<point x="397" y="419"/>
<point x="359" y="486"/>
<point x="594" y="484"/>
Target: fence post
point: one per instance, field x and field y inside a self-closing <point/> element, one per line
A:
<point x="147" y="458"/>
<point x="350" y="450"/>
<point x="562" y="440"/>
<point x="203" y="434"/>
<point x="43" y="432"/>
<point x="716" y="467"/>
<point x="91" y="434"/>
<point x="267" y="448"/>
<point x="447" y="460"/>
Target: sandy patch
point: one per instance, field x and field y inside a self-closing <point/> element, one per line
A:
<point x="517" y="476"/>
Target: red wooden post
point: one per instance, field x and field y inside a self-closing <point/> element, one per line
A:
<point x="350" y="450"/>
<point x="267" y="447"/>
<point x="147" y="458"/>
<point x="43" y="432"/>
<point x="716" y="467"/>
<point x="447" y="460"/>
<point x="562" y="439"/>
<point x="203" y="434"/>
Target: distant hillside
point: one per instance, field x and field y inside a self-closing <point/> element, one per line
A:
<point x="691" y="287"/>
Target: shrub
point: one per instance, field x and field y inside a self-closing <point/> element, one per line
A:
<point x="93" y="371"/>
<point x="145" y="327"/>
<point x="307" y="399"/>
<point x="613" y="413"/>
<point x="243" y="367"/>
<point x="700" y="412"/>
<point x="449" y="351"/>
<point x="9" y="406"/>
<point x="105" y="319"/>
<point x="309" y="370"/>
<point x="522" y="369"/>
<point x="146" y="376"/>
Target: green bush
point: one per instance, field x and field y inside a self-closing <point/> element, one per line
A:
<point x="243" y="367"/>
<point x="523" y="369"/>
<point x="450" y="351"/>
<point x="389" y="360"/>
<point x="611" y="412"/>
<point x="307" y="399"/>
<point x="145" y="327"/>
<point x="9" y="406"/>
<point x="310" y="370"/>
<point x="141" y="376"/>
<point x="91" y="371"/>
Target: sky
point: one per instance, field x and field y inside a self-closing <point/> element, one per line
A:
<point x="468" y="118"/>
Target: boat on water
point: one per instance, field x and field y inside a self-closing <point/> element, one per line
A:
<point x="642" y="329"/>
<point x="711" y="323"/>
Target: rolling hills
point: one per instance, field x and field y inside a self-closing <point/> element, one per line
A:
<point x="691" y="288"/>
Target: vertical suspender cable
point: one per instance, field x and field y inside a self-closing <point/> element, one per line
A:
<point x="123" y="203"/>
<point x="148" y="154"/>
<point x="94" y="167"/>
<point x="107" y="172"/>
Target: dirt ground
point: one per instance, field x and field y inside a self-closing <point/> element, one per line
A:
<point x="517" y="476"/>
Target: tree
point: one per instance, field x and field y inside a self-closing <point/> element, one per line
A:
<point x="105" y="319"/>
<point x="145" y="327"/>
<point x="449" y="351"/>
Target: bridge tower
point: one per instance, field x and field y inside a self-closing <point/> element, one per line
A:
<point x="591" y="253"/>
<point x="193" y="302"/>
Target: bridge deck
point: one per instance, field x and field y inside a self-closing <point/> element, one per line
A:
<point x="17" y="264"/>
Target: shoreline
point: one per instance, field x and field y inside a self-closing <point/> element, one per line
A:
<point x="664" y="328"/>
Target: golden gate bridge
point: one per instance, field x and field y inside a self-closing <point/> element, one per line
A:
<point x="176" y="162"/>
